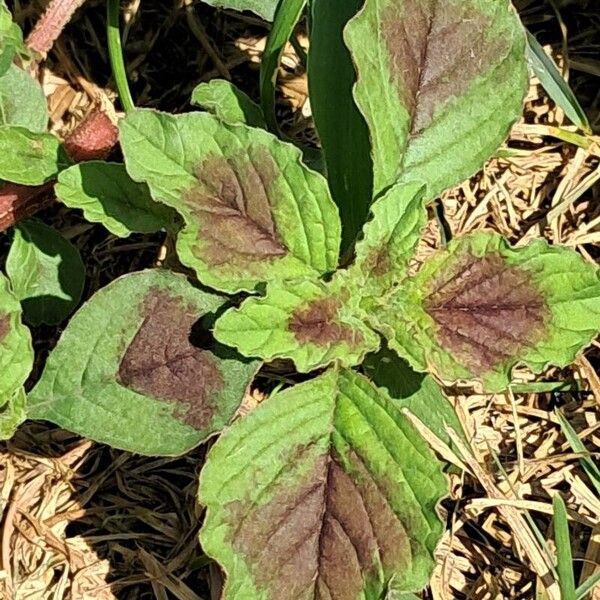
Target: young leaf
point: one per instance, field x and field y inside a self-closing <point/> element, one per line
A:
<point x="263" y="8"/>
<point x="308" y="321"/>
<point x="107" y="195"/>
<point x="128" y="371"/>
<point x="324" y="491"/>
<point x="46" y="273"/>
<point x="480" y="306"/>
<point x="228" y="103"/>
<point x="253" y="212"/>
<point x="439" y="82"/>
<point x="390" y="237"/>
<point x="22" y="101"/>
<point x="342" y="129"/>
<point x="16" y="351"/>
<point x="11" y="39"/>
<point x="33" y="159"/>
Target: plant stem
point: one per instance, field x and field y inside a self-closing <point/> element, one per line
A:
<point x="115" y="51"/>
<point x="51" y="24"/>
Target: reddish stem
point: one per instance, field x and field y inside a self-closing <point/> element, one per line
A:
<point x="93" y="139"/>
<point x="51" y="24"/>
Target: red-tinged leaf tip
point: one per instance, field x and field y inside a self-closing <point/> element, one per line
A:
<point x="485" y="311"/>
<point x="234" y="210"/>
<point x="316" y="323"/>
<point x="93" y="139"/>
<point x="18" y="202"/>
<point x="162" y="362"/>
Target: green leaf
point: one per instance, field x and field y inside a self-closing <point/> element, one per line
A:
<point x="390" y="237"/>
<point x="12" y="414"/>
<point x="342" y="128"/>
<point x="324" y="491"/>
<point x="128" y="370"/>
<point x="440" y="82"/>
<point x="311" y="322"/>
<point x="553" y="82"/>
<point x="417" y="392"/>
<point x="11" y="39"/>
<point x="46" y="273"/>
<point x="253" y="212"/>
<point x="16" y="351"/>
<point x="478" y="307"/>
<point x="228" y="103"/>
<point x="287" y="15"/>
<point x="22" y="101"/>
<point x="33" y="159"/>
<point x="263" y="8"/>
<point x="107" y="195"/>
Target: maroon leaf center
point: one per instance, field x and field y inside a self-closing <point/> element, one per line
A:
<point x="486" y="311"/>
<point x="233" y="207"/>
<point x="161" y="361"/>
<point x="316" y="323"/>
<point x="325" y="534"/>
<point x="436" y="47"/>
<point x="4" y="326"/>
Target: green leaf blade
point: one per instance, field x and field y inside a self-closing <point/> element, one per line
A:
<point x="228" y="103"/>
<point x="480" y="306"/>
<point x="425" y="68"/>
<point x="253" y="212"/>
<point x="263" y="8"/>
<point x="16" y="351"/>
<point x="46" y="273"/>
<point x="321" y="498"/>
<point x="107" y="195"/>
<point x="22" y="101"/>
<point x="33" y="159"/>
<point x="310" y="322"/>
<point x="135" y="378"/>
<point x="11" y="39"/>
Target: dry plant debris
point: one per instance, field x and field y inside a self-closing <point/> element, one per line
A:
<point x="81" y="521"/>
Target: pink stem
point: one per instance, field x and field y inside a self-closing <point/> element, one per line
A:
<point x="51" y="24"/>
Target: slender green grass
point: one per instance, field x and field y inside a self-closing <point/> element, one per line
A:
<point x="115" y="51"/>
<point x="564" y="562"/>
<point x="588" y="464"/>
<point x="554" y="84"/>
<point x="287" y="16"/>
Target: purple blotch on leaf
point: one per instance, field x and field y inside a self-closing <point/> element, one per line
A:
<point x="486" y="311"/>
<point x="162" y="362"/>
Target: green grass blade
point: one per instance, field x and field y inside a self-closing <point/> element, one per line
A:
<point x="564" y="566"/>
<point x="587" y="586"/>
<point x="552" y="80"/>
<point x="286" y="16"/>
<point x="589" y="466"/>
